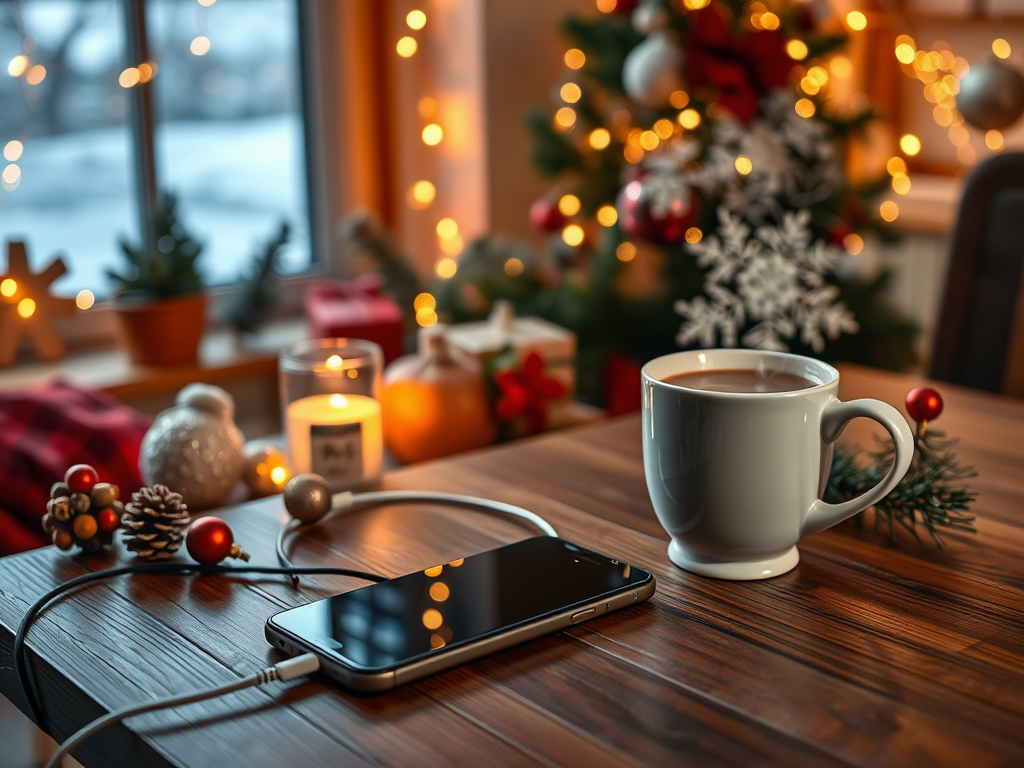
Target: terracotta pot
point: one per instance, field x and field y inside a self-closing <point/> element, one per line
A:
<point x="163" y="331"/>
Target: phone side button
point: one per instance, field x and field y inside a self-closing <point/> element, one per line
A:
<point x="581" y="615"/>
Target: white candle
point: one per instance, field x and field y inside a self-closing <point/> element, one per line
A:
<point x="337" y="436"/>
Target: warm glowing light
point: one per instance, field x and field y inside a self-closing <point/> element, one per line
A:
<point x="910" y="144"/>
<point x="797" y="50"/>
<point x="625" y="252"/>
<point x="632" y="154"/>
<point x="26" y="308"/>
<point x="514" y="267"/>
<point x="207" y="3"/>
<point x="905" y="53"/>
<point x="574" y="58"/>
<point x="85" y="299"/>
<point x="943" y="116"/>
<point x="818" y="75"/>
<point x="809" y="86"/>
<point x="200" y="46"/>
<point x="8" y="287"/>
<point x="446" y="268"/>
<point x="967" y="155"/>
<point x="424" y="301"/>
<point x="606" y="6"/>
<point x="416" y="19"/>
<point x="960" y="67"/>
<point x="11" y="174"/>
<point x="679" y="99"/>
<point x="1001" y="48"/>
<point x="769" y="20"/>
<point x="994" y="140"/>
<point x="452" y="245"/>
<point x="901" y="184"/>
<point x="693" y="235"/>
<point x="13" y="150"/>
<point x="333" y="363"/>
<point x="426" y="318"/>
<point x="607" y="215"/>
<point x="573" y="235"/>
<point x="663" y="128"/>
<point x="436" y="641"/>
<point x="689" y="119"/>
<point x="433" y="571"/>
<point x="279" y="476"/>
<point x="421" y="194"/>
<point x="695" y="5"/>
<point x="600" y="138"/>
<point x="427" y="107"/>
<point x="649" y="140"/>
<point x="406" y="47"/>
<point x="889" y="210"/>
<point x="570" y="93"/>
<point x="17" y="66"/>
<point x="959" y="136"/>
<point x="457" y="563"/>
<point x="743" y="165"/>
<point x="439" y="592"/>
<point x="35" y="74"/>
<point x="856" y="20"/>
<point x="338" y="401"/>
<point x="896" y="166"/>
<point x="432" y="618"/>
<point x="565" y="118"/>
<point x="805" y="108"/>
<point x="853" y="243"/>
<point x="841" y="67"/>
<point x="446" y="228"/>
<point x="432" y="134"/>
<point x="569" y="205"/>
<point x="129" y="77"/>
<point x="147" y="71"/>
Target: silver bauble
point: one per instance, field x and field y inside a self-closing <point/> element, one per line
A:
<point x="649" y="17"/>
<point x="991" y="95"/>
<point x="652" y="70"/>
<point x="195" y="448"/>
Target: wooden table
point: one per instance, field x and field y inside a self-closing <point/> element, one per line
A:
<point x="865" y="654"/>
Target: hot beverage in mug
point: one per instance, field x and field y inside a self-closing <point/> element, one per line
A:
<point x="737" y="450"/>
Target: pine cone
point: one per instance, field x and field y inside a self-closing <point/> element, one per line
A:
<point x="155" y="522"/>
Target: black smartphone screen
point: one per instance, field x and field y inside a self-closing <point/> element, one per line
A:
<point x="385" y="625"/>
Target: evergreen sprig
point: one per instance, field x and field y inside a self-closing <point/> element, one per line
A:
<point x="259" y="289"/>
<point x="932" y="494"/>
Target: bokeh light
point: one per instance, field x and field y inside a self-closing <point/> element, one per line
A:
<point x="13" y="150"/>
<point x="573" y="235"/>
<point x="853" y="243"/>
<point x="446" y="268"/>
<point x="432" y="134"/>
<point x="200" y="46"/>
<point x="693" y="235"/>
<point x="743" y="165"/>
<point x="26" y="308"/>
<point x="85" y="299"/>
<point x="625" y="251"/>
<point x="565" y="118"/>
<point x="447" y="228"/>
<point x="1001" y="48"/>
<point x="805" y="108"/>
<point x="514" y="267"/>
<point x="889" y="210"/>
<point x="570" y="93"/>
<point x="993" y="140"/>
<point x="910" y="144"/>
<point x="416" y="19"/>
<point x="17" y="66"/>
<point x="569" y="205"/>
<point x="421" y="194"/>
<point x="406" y="47"/>
<point x="574" y="58"/>
<point x="856" y="21"/>
<point x="679" y="99"/>
<point x="35" y="74"/>
<point x="797" y="50"/>
<point x="607" y="215"/>
<point x="600" y="138"/>
<point x="689" y="119"/>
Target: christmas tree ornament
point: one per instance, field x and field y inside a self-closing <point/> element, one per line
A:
<point x="652" y="71"/>
<point x="433" y="404"/>
<point x="649" y="16"/>
<point x="195" y="447"/>
<point x="266" y="467"/>
<point x="658" y="205"/>
<point x="155" y="521"/>
<point x="26" y="306"/>
<point x="80" y="509"/>
<point x="524" y="394"/>
<point x="546" y="216"/>
<point x="210" y="540"/>
<point x="307" y="497"/>
<point x="923" y="405"/>
<point x="991" y="95"/>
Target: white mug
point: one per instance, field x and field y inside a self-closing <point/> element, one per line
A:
<point x="736" y="478"/>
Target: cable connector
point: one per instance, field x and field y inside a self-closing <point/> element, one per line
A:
<point x="341" y="500"/>
<point x="299" y="666"/>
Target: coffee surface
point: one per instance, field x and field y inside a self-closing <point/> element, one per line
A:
<point x="740" y="380"/>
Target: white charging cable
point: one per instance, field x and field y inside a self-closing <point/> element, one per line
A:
<point x="289" y="669"/>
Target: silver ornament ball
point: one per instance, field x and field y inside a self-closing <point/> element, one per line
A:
<point x="652" y="70"/>
<point x="649" y="17"/>
<point x="991" y="96"/>
<point x="307" y="497"/>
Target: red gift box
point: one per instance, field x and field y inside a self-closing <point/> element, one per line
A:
<point x="355" y="310"/>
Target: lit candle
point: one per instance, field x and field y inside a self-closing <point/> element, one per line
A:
<point x="337" y="436"/>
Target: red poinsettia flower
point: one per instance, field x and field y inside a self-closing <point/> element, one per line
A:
<point x="739" y="71"/>
<point x="525" y="392"/>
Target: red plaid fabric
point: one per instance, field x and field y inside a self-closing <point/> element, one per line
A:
<point x="46" y="429"/>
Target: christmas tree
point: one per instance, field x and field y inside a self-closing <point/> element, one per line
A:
<point x="699" y="195"/>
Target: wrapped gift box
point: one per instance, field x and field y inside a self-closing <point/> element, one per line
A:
<point x="355" y="310"/>
<point x="479" y="342"/>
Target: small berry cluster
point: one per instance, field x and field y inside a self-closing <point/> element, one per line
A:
<point x="82" y="510"/>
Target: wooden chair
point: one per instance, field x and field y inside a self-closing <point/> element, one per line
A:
<point x="979" y="341"/>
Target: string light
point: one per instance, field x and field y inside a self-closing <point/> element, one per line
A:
<point x="26" y="308"/>
<point x="199" y="46"/>
<point x="853" y="243"/>
<point x="11" y="177"/>
<point x="633" y="154"/>
<point x="607" y="215"/>
<point x="446" y="268"/>
<point x="129" y="77"/>
<point x="575" y="58"/>
<point x="416" y="19"/>
<point x="994" y="140"/>
<point x="17" y="66"/>
<point x="910" y="144"/>
<point x="1001" y="48"/>
<point x="689" y="119"/>
<point x="13" y="150"/>
<point x="901" y="184"/>
<point x="856" y="21"/>
<point x="514" y="267"/>
<point x="606" y="6"/>
<point x="625" y="251"/>
<point x="406" y="47"/>
<point x="569" y="205"/>
<point x="426" y="317"/>
<point x="841" y="67"/>
<point x="889" y="210"/>
<point x="432" y="135"/>
<point x="896" y="166"/>
<point x="573" y="235"/>
<point x="421" y="194"/>
<point x="565" y="118"/>
<point x="769" y="21"/>
<point x="147" y="71"/>
<point x="966" y="155"/>
<point x="663" y="128"/>
<point x="427" y="107"/>
<point x="8" y="287"/>
<point x="905" y="53"/>
<point x="600" y="138"/>
<point x="447" y="228"/>
<point x="570" y="93"/>
<point x="797" y="50"/>
<point x="805" y="108"/>
<point x="695" y="5"/>
<point x="693" y="235"/>
<point x="452" y="245"/>
<point x="649" y="140"/>
<point x="207" y="3"/>
<point x="424" y="301"/>
<point x="743" y="165"/>
<point x="35" y="74"/>
<point x="679" y="99"/>
<point x="85" y="299"/>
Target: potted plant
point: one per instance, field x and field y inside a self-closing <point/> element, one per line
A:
<point x="159" y="298"/>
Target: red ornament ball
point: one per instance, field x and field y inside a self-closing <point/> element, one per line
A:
<point x="650" y="211"/>
<point x="546" y="216"/>
<point x="209" y="540"/>
<point x="924" y="404"/>
<point x="108" y="520"/>
<point x="81" y="478"/>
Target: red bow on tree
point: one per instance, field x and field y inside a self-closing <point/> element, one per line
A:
<point x="739" y="71"/>
<point x="525" y="392"/>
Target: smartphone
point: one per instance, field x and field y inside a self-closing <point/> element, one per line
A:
<point x="385" y="635"/>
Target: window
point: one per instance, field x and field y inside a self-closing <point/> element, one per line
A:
<point x="228" y="137"/>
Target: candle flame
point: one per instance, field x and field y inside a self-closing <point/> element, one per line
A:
<point x="339" y="401"/>
<point x="333" y="362"/>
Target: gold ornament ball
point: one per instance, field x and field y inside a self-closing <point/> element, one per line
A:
<point x="307" y="497"/>
<point x="85" y="526"/>
<point x="266" y="468"/>
<point x="62" y="539"/>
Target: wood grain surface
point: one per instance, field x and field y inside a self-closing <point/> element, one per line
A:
<point x="865" y="654"/>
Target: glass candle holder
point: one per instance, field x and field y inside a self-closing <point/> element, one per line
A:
<point x="331" y="409"/>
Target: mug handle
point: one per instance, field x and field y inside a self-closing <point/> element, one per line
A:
<point x="837" y="415"/>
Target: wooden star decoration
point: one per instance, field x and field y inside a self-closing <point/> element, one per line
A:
<point x="26" y="306"/>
